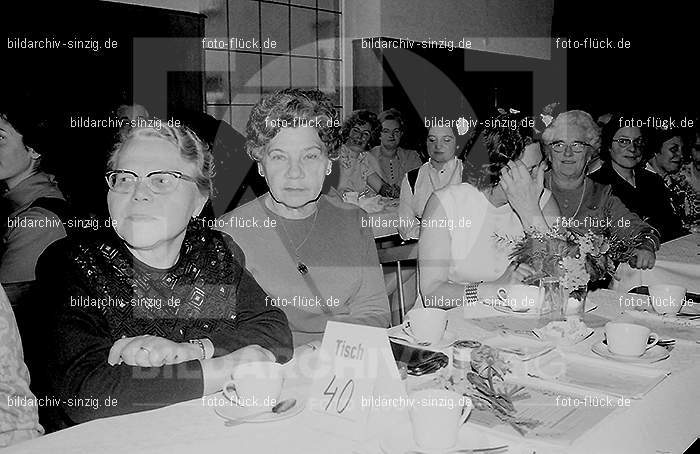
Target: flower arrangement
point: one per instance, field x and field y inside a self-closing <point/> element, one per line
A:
<point x="684" y="200"/>
<point x="574" y="258"/>
<point x="484" y="385"/>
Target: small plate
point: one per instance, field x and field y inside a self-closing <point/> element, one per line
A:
<point x="447" y="339"/>
<point x="401" y="441"/>
<point x="532" y="313"/>
<point x="232" y="411"/>
<point x="652" y="355"/>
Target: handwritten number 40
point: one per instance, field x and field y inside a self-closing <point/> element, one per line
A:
<point x="348" y="389"/>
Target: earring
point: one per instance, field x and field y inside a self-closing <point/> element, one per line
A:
<point x="260" y="172"/>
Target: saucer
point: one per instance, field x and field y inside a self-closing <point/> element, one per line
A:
<point x="401" y="441"/>
<point x="532" y="313"/>
<point x="447" y="339"/>
<point x="232" y="411"/>
<point x="652" y="355"/>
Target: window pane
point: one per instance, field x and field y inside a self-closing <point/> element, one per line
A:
<point x="329" y="79"/>
<point x="275" y="25"/>
<point x="239" y="117"/>
<point x="328" y="34"/>
<point x="244" y="23"/>
<point x="220" y="113"/>
<point x="275" y="73"/>
<point x="215" y="23"/>
<point x="304" y="2"/>
<point x="333" y="5"/>
<point x="245" y="78"/>
<point x="216" y="85"/>
<point x="303" y="32"/>
<point x="303" y="73"/>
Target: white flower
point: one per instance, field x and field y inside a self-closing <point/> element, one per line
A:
<point x="546" y="119"/>
<point x="462" y="126"/>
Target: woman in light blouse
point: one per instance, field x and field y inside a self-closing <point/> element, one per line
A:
<point x="443" y="169"/>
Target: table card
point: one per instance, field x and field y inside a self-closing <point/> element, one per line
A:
<point x="356" y="372"/>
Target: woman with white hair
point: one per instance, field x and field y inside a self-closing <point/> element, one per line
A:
<point x="570" y="142"/>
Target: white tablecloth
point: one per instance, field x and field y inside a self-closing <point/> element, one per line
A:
<point x="665" y="420"/>
<point x="677" y="262"/>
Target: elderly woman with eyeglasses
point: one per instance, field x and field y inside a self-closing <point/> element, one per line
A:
<point x="161" y="309"/>
<point x="640" y="190"/>
<point x="314" y="255"/>
<point x="460" y="258"/>
<point x="359" y="170"/>
<point x="570" y="142"/>
<point x="394" y="161"/>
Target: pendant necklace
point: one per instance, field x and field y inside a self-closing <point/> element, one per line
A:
<point x="432" y="183"/>
<point x="565" y="202"/>
<point x="301" y="267"/>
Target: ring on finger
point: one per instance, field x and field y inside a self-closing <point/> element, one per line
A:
<point x="145" y="349"/>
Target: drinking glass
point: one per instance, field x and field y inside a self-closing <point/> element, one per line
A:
<point x="552" y="300"/>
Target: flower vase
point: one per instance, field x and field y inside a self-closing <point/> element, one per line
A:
<point x="551" y="296"/>
<point x="575" y="304"/>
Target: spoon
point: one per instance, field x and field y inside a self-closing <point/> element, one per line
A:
<point x="281" y="407"/>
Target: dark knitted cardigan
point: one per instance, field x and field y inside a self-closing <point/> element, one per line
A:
<point x="96" y="292"/>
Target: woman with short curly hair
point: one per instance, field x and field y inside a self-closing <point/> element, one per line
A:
<point x="298" y="242"/>
<point x="359" y="170"/>
<point x="460" y="259"/>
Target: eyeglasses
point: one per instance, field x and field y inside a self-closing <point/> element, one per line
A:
<point x="576" y="147"/>
<point x="159" y="182"/>
<point x="359" y="132"/>
<point x="625" y="142"/>
<point x="390" y="132"/>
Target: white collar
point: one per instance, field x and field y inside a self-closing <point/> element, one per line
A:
<point x="449" y="165"/>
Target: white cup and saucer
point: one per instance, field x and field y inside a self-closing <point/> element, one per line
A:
<point x="256" y="386"/>
<point x="667" y="299"/>
<point x="631" y="343"/>
<point x="428" y="326"/>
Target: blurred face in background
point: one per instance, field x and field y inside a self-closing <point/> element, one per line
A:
<point x="441" y="144"/>
<point x="696" y="152"/>
<point x="626" y="147"/>
<point x="359" y="137"/>
<point x="295" y="166"/>
<point x="16" y="159"/>
<point x="670" y="157"/>
<point x="390" y="134"/>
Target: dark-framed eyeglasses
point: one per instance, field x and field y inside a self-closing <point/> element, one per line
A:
<point x="560" y="146"/>
<point x="625" y="142"/>
<point x="359" y="132"/>
<point x="159" y="181"/>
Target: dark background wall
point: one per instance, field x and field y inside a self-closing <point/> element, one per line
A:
<point x="64" y="83"/>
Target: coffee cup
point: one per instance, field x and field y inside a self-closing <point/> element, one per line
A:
<point x="667" y="299"/>
<point x="519" y="297"/>
<point x="426" y="324"/>
<point x="436" y="417"/>
<point x="256" y="384"/>
<point x="628" y="339"/>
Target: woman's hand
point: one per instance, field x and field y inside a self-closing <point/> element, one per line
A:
<point x="642" y="259"/>
<point x="515" y="274"/>
<point x="522" y="190"/>
<point x="151" y="351"/>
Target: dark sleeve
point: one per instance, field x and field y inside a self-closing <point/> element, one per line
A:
<point x="627" y="225"/>
<point x="78" y="349"/>
<point x="257" y="322"/>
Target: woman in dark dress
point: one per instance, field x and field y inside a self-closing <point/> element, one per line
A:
<point x="643" y="192"/>
<point x="160" y="310"/>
